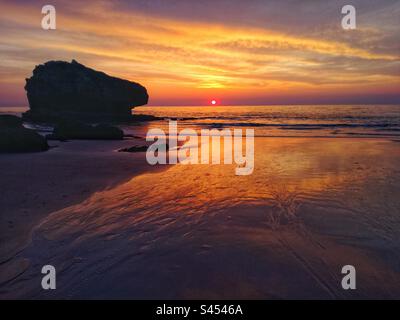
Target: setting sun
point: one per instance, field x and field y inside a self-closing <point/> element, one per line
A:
<point x="213" y="102"/>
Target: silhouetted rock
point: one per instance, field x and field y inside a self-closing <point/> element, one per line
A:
<point x="139" y="148"/>
<point x="145" y="117"/>
<point x="134" y="149"/>
<point x="62" y="90"/>
<point x="10" y="121"/>
<point x="16" y="138"/>
<point x="77" y="130"/>
<point x="134" y="136"/>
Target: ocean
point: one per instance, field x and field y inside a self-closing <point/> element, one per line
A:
<point x="288" y="120"/>
<point x="282" y="120"/>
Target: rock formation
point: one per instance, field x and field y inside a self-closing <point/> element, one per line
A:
<point x="62" y="90"/>
<point x="16" y="138"/>
<point x="134" y="149"/>
<point x="75" y="130"/>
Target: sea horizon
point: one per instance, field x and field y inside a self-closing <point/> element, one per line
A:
<point x="278" y="120"/>
<point x="207" y="105"/>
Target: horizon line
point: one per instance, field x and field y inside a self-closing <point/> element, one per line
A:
<point x="242" y="105"/>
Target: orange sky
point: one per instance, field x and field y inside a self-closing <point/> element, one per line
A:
<point x="189" y="55"/>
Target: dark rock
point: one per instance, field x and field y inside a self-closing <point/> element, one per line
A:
<point x="133" y="136"/>
<point x="134" y="149"/>
<point x="145" y="117"/>
<point x="62" y="90"/>
<point x="139" y="148"/>
<point x="78" y="130"/>
<point x="52" y="136"/>
<point x="15" y="138"/>
<point x="10" y="121"/>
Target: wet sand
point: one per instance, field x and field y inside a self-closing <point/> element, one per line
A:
<point x="198" y="231"/>
<point x="36" y="184"/>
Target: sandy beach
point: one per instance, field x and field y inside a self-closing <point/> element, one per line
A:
<point x="36" y="184"/>
<point x="115" y="227"/>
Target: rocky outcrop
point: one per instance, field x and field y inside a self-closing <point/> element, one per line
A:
<point x="16" y="138"/>
<point x="141" y="148"/>
<point x="134" y="149"/>
<point x="73" y="130"/>
<point x="10" y="121"/>
<point x="63" y="90"/>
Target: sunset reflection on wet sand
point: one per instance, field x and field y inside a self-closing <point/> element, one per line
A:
<point x="198" y="231"/>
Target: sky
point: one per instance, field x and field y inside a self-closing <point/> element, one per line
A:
<point x="191" y="52"/>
